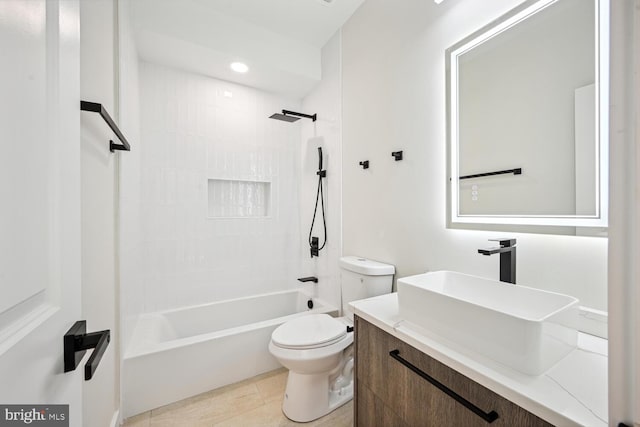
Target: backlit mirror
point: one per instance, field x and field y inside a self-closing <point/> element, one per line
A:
<point x="527" y="117"/>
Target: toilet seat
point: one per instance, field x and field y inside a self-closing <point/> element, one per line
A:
<point x="309" y="332"/>
<point x="310" y="354"/>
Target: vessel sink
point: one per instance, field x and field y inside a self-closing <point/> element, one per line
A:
<point x="526" y="329"/>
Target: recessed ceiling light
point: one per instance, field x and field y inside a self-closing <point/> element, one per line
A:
<point x="239" y="67"/>
<point x="438" y="1"/>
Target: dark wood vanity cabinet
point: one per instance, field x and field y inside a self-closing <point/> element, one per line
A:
<point x="389" y="394"/>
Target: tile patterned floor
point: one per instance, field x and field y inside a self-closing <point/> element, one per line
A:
<point x="255" y="402"/>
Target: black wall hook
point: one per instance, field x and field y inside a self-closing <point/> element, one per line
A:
<point x="76" y="344"/>
<point x="397" y="155"/>
<point x="364" y="164"/>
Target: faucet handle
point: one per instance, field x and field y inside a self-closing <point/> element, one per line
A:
<point x="505" y="242"/>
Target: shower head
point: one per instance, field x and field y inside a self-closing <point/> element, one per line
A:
<point x="292" y="116"/>
<point x="284" y="118"/>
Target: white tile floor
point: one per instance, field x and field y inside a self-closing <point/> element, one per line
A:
<point x="256" y="402"/>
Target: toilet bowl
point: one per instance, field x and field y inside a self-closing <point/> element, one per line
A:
<point x="317" y="348"/>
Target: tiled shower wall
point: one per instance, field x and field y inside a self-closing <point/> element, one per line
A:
<point x="195" y="129"/>
<point x="324" y="100"/>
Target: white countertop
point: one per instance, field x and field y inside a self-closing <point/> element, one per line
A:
<point x="571" y="393"/>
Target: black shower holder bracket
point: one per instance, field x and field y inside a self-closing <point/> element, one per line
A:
<point x="397" y="155"/>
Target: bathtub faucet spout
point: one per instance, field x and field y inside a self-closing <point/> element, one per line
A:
<point x="308" y="279"/>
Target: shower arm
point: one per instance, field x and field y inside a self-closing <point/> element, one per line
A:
<point x="313" y="117"/>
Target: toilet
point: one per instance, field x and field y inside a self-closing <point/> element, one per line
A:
<point x="317" y="349"/>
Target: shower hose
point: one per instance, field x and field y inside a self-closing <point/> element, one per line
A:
<point x="319" y="196"/>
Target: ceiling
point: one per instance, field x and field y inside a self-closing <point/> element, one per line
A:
<point x="280" y="40"/>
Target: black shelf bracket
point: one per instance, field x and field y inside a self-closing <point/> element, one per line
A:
<point x="98" y="108"/>
<point x="489" y="417"/>
<point x="76" y="344"/>
<point x="516" y="171"/>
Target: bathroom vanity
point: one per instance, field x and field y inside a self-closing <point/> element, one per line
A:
<point x="397" y="364"/>
<point x="393" y="391"/>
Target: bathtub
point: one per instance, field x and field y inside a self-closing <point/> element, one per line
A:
<point x="179" y="353"/>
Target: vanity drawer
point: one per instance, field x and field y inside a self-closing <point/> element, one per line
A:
<point x="397" y="383"/>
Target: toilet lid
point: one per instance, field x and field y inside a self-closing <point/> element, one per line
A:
<point x="309" y="331"/>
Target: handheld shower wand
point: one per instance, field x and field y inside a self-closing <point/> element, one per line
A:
<point x="321" y="173"/>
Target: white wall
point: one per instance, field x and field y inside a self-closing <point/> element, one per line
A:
<point x="191" y="130"/>
<point x="393" y="98"/>
<point x="324" y="101"/>
<point x="130" y="218"/>
<point x="99" y="205"/>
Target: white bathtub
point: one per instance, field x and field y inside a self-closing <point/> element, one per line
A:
<point x="179" y="353"/>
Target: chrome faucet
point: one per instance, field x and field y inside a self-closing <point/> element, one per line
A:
<point x="507" y="251"/>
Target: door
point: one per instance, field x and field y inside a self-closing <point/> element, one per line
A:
<point x="39" y="201"/>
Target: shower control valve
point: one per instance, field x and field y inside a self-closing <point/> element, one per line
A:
<point x="322" y="174"/>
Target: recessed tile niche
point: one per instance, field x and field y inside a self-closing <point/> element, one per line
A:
<point x="228" y="198"/>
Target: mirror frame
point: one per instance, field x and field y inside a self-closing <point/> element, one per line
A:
<point x="506" y="21"/>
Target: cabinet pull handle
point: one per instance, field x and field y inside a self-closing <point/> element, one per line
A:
<point x="489" y="417"/>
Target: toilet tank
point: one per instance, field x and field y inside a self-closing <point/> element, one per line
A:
<point x="363" y="278"/>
